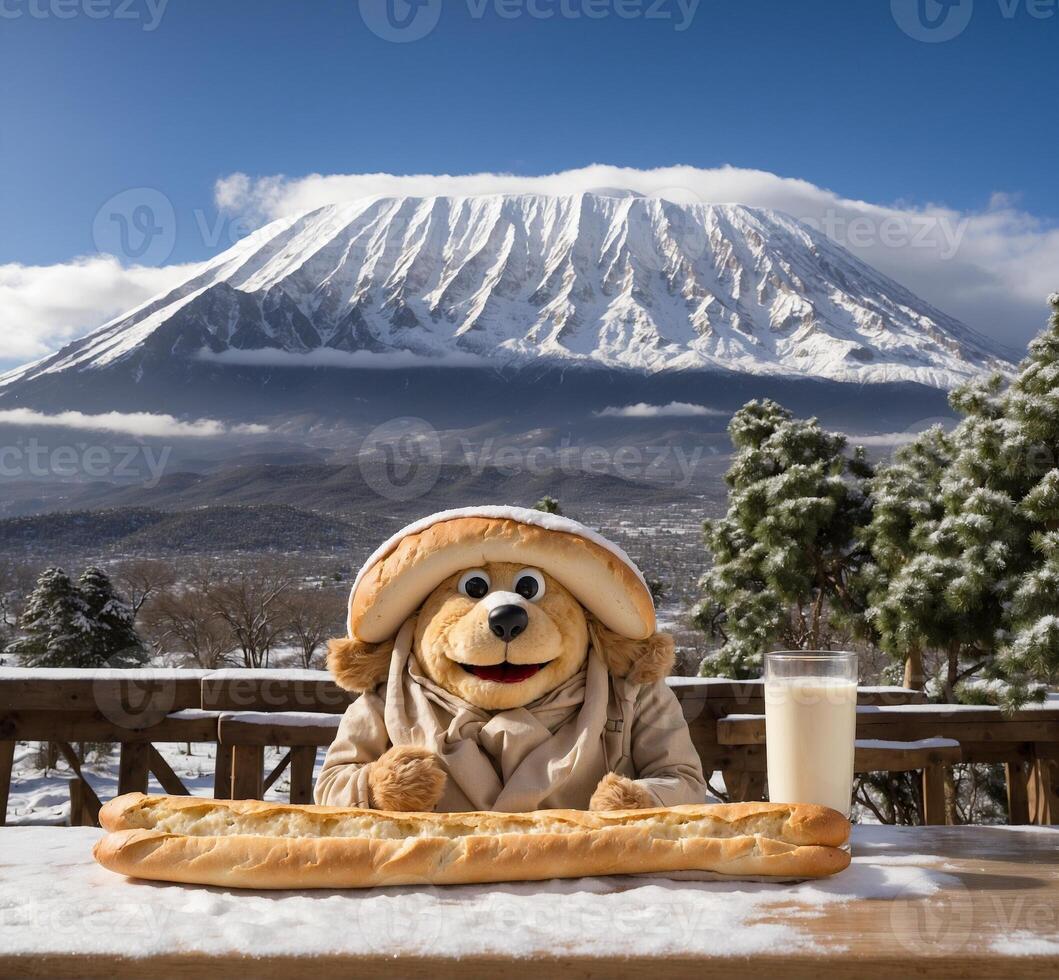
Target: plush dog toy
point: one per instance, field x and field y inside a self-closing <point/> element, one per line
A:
<point x="506" y="660"/>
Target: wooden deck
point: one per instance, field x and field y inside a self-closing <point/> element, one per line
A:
<point x="243" y="711"/>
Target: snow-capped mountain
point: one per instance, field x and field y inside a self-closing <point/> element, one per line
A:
<point x="601" y="280"/>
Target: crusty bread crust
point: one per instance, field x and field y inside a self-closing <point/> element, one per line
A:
<point x="396" y="585"/>
<point x="249" y="844"/>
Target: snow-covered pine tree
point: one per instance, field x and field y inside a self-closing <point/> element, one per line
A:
<point x="549" y="505"/>
<point x="113" y="640"/>
<point x="980" y="585"/>
<point x="785" y="554"/>
<point x="905" y="579"/>
<point x="1029" y="653"/>
<point x="55" y="625"/>
<point x="964" y="539"/>
<point x="982" y="533"/>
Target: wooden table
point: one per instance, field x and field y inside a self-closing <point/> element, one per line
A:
<point x="925" y="902"/>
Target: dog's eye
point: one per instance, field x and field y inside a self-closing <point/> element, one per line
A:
<point x="529" y="583"/>
<point x="474" y="584"/>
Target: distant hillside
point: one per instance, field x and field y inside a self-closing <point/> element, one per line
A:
<point x="206" y="530"/>
<point x="342" y="490"/>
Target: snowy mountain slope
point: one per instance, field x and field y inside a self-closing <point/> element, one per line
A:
<point x="614" y="281"/>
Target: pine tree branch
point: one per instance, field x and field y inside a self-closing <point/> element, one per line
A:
<point x="964" y="674"/>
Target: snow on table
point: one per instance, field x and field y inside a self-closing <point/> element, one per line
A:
<point x="289" y="719"/>
<point x="268" y="674"/>
<point x="921" y="743"/>
<point x="55" y="899"/>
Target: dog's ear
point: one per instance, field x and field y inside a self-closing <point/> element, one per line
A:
<point x="639" y="661"/>
<point x="358" y="666"/>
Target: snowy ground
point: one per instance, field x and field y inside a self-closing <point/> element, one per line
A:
<point x="40" y="797"/>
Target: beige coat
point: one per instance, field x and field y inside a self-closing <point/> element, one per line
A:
<point x="551" y="753"/>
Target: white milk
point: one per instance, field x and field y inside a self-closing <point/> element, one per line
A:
<point x="810" y="729"/>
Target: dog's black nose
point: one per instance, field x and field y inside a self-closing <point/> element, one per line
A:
<point x="508" y="621"/>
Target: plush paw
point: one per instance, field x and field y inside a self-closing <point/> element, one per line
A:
<point x="406" y="778"/>
<point x="616" y="792"/>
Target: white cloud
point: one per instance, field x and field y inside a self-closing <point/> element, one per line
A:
<point x="45" y="307"/>
<point x="641" y="410"/>
<point x="143" y="424"/>
<point x="992" y="268"/>
<point x="326" y="357"/>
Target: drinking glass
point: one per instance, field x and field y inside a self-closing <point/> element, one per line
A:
<point x="810" y="726"/>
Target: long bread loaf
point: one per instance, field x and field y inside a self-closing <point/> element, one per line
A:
<point x="250" y="844"/>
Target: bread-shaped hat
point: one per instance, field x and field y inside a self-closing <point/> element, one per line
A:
<point x="402" y="573"/>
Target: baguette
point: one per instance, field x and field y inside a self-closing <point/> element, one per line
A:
<point x="250" y="844"/>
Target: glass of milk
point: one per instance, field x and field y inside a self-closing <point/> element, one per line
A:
<point x="810" y="726"/>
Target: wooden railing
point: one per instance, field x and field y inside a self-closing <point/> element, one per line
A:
<point x="243" y="712"/>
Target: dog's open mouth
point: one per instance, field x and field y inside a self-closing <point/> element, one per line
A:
<point x="504" y="673"/>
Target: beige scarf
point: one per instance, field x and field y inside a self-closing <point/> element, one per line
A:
<point x="547" y="754"/>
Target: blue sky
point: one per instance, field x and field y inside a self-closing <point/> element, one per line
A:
<point x="830" y="91"/>
<point x="111" y="104"/>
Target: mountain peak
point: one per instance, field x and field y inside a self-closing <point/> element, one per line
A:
<point x="607" y="279"/>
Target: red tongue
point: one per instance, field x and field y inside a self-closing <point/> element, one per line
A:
<point x="504" y="673"/>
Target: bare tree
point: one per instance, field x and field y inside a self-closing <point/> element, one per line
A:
<point x="141" y="579"/>
<point x="313" y="615"/>
<point x="253" y="606"/>
<point x="183" y="622"/>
